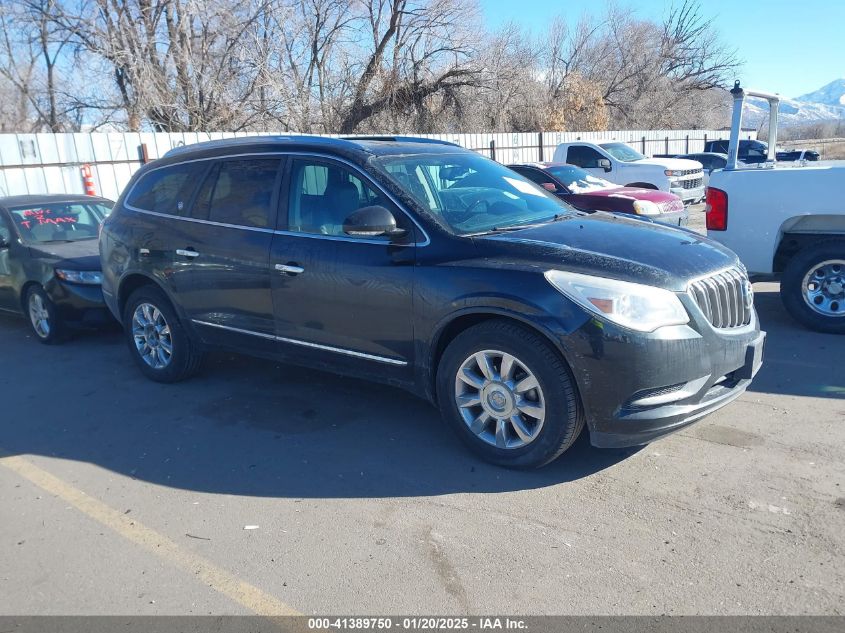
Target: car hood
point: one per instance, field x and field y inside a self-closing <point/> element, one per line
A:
<point x="610" y="245"/>
<point x="670" y="163"/>
<point x="81" y="255"/>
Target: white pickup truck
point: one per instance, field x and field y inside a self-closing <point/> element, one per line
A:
<point x="622" y="164"/>
<point x="786" y="220"/>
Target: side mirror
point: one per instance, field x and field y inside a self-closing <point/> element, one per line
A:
<point x="604" y="164"/>
<point x="374" y="221"/>
<point x="550" y="186"/>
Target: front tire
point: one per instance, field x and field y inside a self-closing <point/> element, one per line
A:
<point x="813" y="287"/>
<point x="157" y="341"/>
<point x="44" y="318"/>
<point x="509" y="395"/>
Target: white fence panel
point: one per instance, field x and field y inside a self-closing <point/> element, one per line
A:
<point x="50" y="163"/>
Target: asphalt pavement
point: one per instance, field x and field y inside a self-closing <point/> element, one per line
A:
<point x="263" y="488"/>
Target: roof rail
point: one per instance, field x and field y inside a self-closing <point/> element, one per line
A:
<point x="398" y="139"/>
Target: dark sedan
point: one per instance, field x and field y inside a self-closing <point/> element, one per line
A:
<point x="50" y="262"/>
<point x="587" y="192"/>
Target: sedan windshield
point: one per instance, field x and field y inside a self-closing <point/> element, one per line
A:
<point x="471" y="194"/>
<point x="59" y="221"/>
<point x="578" y="180"/>
<point x="620" y="151"/>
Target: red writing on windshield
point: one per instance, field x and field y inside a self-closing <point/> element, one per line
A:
<point x="39" y="216"/>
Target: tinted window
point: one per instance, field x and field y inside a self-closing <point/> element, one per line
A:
<point x="583" y="156"/>
<point x="239" y="192"/>
<point x="63" y="221"/>
<point x="323" y="195"/>
<point x="166" y="190"/>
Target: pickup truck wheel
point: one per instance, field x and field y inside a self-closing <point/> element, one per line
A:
<point x="813" y="287"/>
<point x="508" y="395"/>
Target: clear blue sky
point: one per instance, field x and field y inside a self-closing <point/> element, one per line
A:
<point x="808" y="36"/>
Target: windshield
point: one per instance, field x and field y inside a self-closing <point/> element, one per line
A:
<point x="620" y="151"/>
<point x="577" y="180"/>
<point x="471" y="194"/>
<point x="59" y="222"/>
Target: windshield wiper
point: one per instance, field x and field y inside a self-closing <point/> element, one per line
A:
<point x="516" y="227"/>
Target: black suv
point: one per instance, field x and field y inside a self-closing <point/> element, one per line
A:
<point x="429" y="267"/>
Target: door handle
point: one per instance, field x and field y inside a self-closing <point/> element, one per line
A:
<point x="187" y="253"/>
<point x="289" y="269"/>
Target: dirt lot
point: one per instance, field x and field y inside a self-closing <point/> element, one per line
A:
<point x="122" y="496"/>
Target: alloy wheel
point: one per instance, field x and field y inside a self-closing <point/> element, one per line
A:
<point x="500" y="399"/>
<point x="39" y="316"/>
<point x="152" y="336"/>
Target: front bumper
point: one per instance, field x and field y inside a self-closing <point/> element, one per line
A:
<point x="637" y="387"/>
<point x="79" y="304"/>
<point x="689" y="196"/>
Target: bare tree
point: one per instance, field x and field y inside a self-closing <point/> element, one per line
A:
<point x="339" y="66"/>
<point x="30" y="51"/>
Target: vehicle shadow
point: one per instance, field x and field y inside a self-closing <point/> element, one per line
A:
<point x="245" y="427"/>
<point x="796" y="361"/>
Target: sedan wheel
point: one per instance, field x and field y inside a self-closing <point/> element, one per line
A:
<point x="152" y="337"/>
<point x="43" y="317"/>
<point x="38" y="316"/>
<point x="500" y="399"/>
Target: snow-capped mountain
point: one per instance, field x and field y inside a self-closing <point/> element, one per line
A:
<point x="825" y="104"/>
<point x="832" y="94"/>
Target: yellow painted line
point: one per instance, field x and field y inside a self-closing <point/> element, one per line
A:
<point x="217" y="578"/>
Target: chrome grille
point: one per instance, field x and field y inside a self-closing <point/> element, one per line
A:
<point x="726" y="298"/>
<point x="692" y="184"/>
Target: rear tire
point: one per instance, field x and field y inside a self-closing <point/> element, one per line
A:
<point x="813" y="287"/>
<point x="520" y="411"/>
<point x="157" y="341"/>
<point x="43" y="317"/>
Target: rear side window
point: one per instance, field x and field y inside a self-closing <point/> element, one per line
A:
<point x="240" y="192"/>
<point x="165" y="190"/>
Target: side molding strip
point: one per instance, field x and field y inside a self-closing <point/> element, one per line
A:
<point x="328" y="348"/>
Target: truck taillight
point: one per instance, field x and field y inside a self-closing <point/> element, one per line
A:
<point x="716" y="210"/>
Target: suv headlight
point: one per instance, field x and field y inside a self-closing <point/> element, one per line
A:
<point x="635" y="306"/>
<point x="87" y="277"/>
<point x="646" y="207"/>
<point x="674" y="172"/>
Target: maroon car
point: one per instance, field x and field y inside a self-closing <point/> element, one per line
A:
<point x="585" y="191"/>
